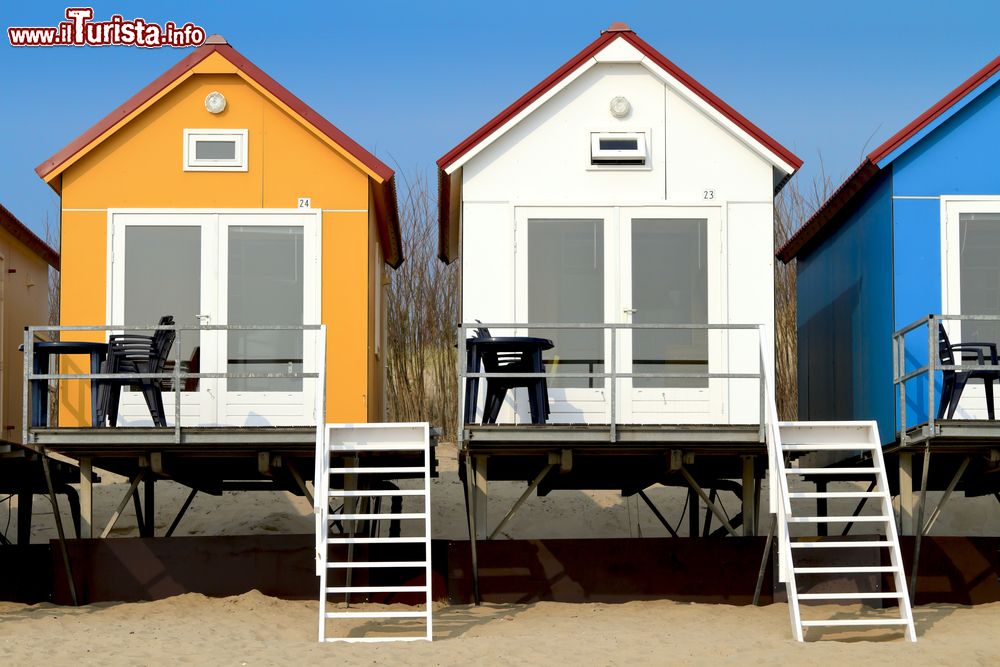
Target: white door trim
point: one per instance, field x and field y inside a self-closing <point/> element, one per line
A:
<point x="210" y="397"/>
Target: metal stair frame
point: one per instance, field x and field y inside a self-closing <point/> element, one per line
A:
<point x="780" y="504"/>
<point x="330" y="443"/>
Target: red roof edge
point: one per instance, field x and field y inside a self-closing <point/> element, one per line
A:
<point x="857" y="180"/>
<point x="828" y="212"/>
<point x="614" y="32"/>
<point x="714" y="100"/>
<point x="525" y="100"/>
<point x="34" y="243"/>
<point x="386" y="209"/>
<point x="248" y="68"/>
<point x="130" y="105"/>
<point x="942" y="105"/>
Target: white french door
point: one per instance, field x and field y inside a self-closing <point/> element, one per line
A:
<point x="671" y="273"/>
<point x="246" y="267"/>
<point x="971" y="282"/>
<point x="652" y="265"/>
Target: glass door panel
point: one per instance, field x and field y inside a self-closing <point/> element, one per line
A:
<point x="671" y="273"/>
<point x="566" y="279"/>
<point x="159" y="262"/>
<point x="669" y="286"/>
<point x="266" y="286"/>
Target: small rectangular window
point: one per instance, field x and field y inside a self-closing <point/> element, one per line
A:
<point x="618" y="149"/>
<point x="215" y="150"/>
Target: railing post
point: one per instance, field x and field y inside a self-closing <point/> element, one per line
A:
<point x="177" y="385"/>
<point x="931" y="359"/>
<point x="29" y="364"/>
<point x="903" y="436"/>
<point x="614" y="383"/>
<point x="462" y="398"/>
<point x="761" y="433"/>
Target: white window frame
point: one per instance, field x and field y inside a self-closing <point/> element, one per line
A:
<point x="192" y="136"/>
<point x="643" y="139"/>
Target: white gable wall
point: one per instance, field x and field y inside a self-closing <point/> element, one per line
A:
<point x="545" y="160"/>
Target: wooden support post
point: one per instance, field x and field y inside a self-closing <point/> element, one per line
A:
<point x="25" y="498"/>
<point x="59" y="530"/>
<point x="693" y="528"/>
<point x="749" y="510"/>
<point x="708" y="502"/>
<point x="149" y="504"/>
<point x="86" y="497"/>
<point x="822" y="529"/>
<point x="906" y="504"/>
<point x="470" y="499"/>
<point x="480" y="495"/>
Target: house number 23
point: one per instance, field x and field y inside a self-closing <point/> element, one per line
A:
<point x="709" y="194"/>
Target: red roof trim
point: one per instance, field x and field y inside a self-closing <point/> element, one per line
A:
<point x="34" y="243"/>
<point x="945" y="103"/>
<point x="828" y="211"/>
<point x="714" y="100"/>
<point x="248" y="68"/>
<point x="525" y="100"/>
<point x="590" y="50"/>
<point x="869" y="167"/>
<point x="385" y="195"/>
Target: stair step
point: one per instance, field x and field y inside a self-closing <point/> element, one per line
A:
<point x="376" y="614"/>
<point x="855" y="621"/>
<point x="378" y="447"/>
<point x="846" y="569"/>
<point x="382" y="470"/>
<point x="839" y="519"/>
<point x="377" y="517"/>
<point x="851" y="596"/>
<point x="376" y="540"/>
<point x="376" y="589"/>
<point x="830" y="447"/>
<point x="799" y="495"/>
<point x="378" y="563"/>
<point x="840" y="545"/>
<point x="375" y="493"/>
<point x="832" y="471"/>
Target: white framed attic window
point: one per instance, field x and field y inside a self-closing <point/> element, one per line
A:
<point x="619" y="150"/>
<point x="215" y="150"/>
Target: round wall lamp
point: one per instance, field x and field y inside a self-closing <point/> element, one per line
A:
<point x="215" y="102"/>
<point x="620" y="107"/>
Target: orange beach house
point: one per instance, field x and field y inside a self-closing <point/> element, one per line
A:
<point x="216" y="196"/>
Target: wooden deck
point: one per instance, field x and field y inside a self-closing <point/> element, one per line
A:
<point x="208" y="459"/>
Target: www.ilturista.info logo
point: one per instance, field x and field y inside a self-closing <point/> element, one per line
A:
<point x="81" y="30"/>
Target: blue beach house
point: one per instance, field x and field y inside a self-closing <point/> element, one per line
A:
<point x="914" y="232"/>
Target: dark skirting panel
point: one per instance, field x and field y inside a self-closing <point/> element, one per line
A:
<point x="959" y="570"/>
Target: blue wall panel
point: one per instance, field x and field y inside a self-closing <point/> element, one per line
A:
<point x="917" y="269"/>
<point x="845" y="318"/>
<point x="959" y="157"/>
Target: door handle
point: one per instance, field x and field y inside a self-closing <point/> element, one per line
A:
<point x="630" y="311"/>
<point x="204" y="319"/>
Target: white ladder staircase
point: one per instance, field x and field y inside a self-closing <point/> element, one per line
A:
<point x="361" y="450"/>
<point x="817" y="450"/>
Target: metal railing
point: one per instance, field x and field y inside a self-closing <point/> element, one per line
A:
<point x="614" y="375"/>
<point x="900" y="376"/>
<point x="176" y="375"/>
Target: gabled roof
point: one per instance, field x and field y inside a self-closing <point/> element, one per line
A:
<point x="778" y="155"/>
<point x="20" y="231"/>
<point x="379" y="173"/>
<point x="885" y="154"/>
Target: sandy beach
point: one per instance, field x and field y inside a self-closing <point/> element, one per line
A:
<point x="252" y="629"/>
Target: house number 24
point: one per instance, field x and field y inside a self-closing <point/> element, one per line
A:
<point x="709" y="194"/>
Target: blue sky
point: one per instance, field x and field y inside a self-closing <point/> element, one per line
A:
<point x="409" y="80"/>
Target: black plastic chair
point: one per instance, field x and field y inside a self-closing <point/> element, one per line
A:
<point x="954" y="382"/>
<point x="512" y="355"/>
<point x="133" y="353"/>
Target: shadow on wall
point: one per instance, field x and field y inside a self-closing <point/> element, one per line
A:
<point x="828" y="381"/>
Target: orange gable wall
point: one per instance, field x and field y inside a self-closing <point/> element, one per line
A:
<point x="140" y="166"/>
